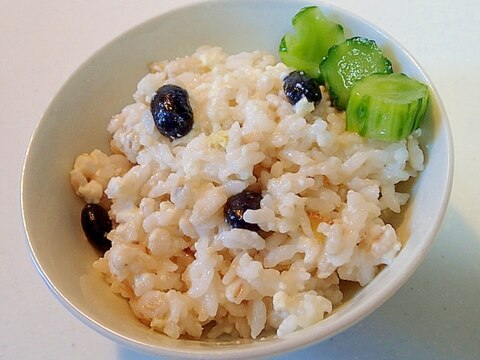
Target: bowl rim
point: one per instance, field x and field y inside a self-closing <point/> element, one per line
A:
<point x="300" y="338"/>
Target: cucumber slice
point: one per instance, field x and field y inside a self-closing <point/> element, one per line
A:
<point x="386" y="107"/>
<point x="349" y="62"/>
<point x="308" y="45"/>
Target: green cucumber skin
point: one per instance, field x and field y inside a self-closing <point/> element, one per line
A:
<point x="302" y="12"/>
<point x="382" y="116"/>
<point x="309" y="44"/>
<point x="349" y="62"/>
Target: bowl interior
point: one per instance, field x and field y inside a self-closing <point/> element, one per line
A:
<point x="76" y="121"/>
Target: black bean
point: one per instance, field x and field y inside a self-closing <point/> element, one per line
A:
<point x="171" y="110"/>
<point x="298" y="84"/>
<point x="236" y="206"/>
<point x="96" y="225"/>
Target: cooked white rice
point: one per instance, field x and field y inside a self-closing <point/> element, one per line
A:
<point x="184" y="271"/>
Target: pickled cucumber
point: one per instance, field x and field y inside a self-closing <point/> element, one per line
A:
<point x="308" y="45"/>
<point x="386" y="106"/>
<point x="349" y="62"/>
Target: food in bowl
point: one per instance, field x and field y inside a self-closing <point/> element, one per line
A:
<point x="237" y="206"/>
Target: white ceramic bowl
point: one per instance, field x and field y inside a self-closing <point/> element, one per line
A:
<point x="76" y="121"/>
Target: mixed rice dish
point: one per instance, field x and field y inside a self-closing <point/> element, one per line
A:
<point x="323" y="191"/>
